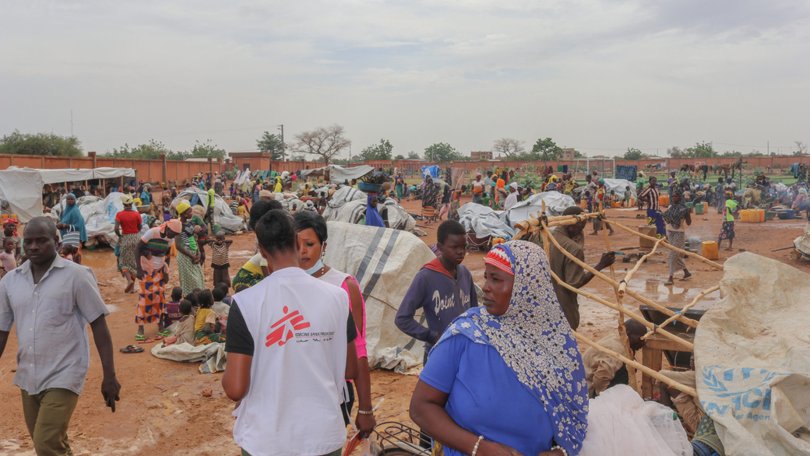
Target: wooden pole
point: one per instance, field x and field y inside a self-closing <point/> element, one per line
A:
<point x="631" y="371"/>
<point x="682" y="311"/>
<point x="629" y="362"/>
<point x="669" y="312"/>
<point x="623" y="284"/>
<point x="689" y="346"/>
<point x="669" y="246"/>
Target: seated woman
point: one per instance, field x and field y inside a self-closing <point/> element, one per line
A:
<point x="506" y="378"/>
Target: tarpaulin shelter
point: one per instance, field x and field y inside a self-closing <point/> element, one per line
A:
<point x="555" y="203"/>
<point x="484" y="221"/>
<point x="384" y="262"/>
<point x="22" y="187"/>
<point x="432" y="170"/>
<point x="222" y="215"/>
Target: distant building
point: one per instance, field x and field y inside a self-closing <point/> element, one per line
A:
<point x="481" y="155"/>
<point x="569" y="154"/>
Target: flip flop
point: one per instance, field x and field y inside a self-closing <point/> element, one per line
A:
<point x="146" y="341"/>
<point x="140" y="338"/>
<point x="165" y="333"/>
<point x="132" y="349"/>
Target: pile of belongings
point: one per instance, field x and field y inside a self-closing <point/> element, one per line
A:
<point x="348" y="205"/>
<point x="223" y="215"/>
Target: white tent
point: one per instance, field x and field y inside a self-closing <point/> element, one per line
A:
<point x="22" y="187"/>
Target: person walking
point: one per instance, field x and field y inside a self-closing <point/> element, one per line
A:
<point x="51" y="301"/>
<point x="127" y="227"/>
<point x="650" y="199"/>
<point x="677" y="218"/>
<point x="188" y="257"/>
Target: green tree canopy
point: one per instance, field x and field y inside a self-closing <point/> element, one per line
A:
<point x="441" y="152"/>
<point x="271" y="143"/>
<point x="413" y="156"/>
<point x="381" y="151"/>
<point x="206" y="149"/>
<point x="699" y="150"/>
<point x="546" y="149"/>
<point x="40" y="144"/>
<point x="399" y="157"/>
<point x="633" y="154"/>
<point x="151" y="150"/>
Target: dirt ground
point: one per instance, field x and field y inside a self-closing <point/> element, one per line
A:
<point x="163" y="410"/>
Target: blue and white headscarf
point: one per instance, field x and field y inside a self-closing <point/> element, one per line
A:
<point x="535" y="341"/>
<point x="72" y="216"/>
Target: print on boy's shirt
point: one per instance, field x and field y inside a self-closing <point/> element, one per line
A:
<point x="288" y="323"/>
<point x="443" y="303"/>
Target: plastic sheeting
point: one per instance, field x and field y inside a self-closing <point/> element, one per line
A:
<point x="223" y="215"/>
<point x="556" y="203"/>
<point x="484" y="221"/>
<point x="802" y="243"/>
<point x="384" y="262"/>
<point x="753" y="358"/>
<point x="621" y="423"/>
<point x="431" y="170"/>
<point x="339" y="174"/>
<point x="355" y="211"/>
<point x="619" y="186"/>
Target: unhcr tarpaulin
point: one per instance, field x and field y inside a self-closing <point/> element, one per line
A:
<point x="223" y="215"/>
<point x="752" y="357"/>
<point x="384" y="262"/>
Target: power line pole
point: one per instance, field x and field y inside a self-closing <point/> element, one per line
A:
<point x="283" y="145"/>
<point x="71" y="123"/>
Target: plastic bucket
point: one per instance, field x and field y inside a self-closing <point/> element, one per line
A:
<point x="699" y="209"/>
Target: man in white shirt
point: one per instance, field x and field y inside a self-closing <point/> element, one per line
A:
<point x="512" y="199"/>
<point x="290" y="347"/>
<point x="51" y="301"/>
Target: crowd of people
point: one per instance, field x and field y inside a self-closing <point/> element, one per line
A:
<point x="294" y="328"/>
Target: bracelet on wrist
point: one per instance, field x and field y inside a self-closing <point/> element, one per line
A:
<point x="557" y="447"/>
<point x="365" y="412"/>
<point x="474" y="451"/>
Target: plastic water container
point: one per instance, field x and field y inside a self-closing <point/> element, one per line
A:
<point x="709" y="250"/>
<point x="663" y="200"/>
<point x="699" y="209"/>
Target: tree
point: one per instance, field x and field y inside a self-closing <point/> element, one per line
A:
<point x="578" y="154"/>
<point x="206" y="150"/>
<point x="271" y="143"/>
<point x="40" y="144"/>
<point x="508" y="147"/>
<point x="413" y="156"/>
<point x="546" y="150"/>
<point x="676" y="152"/>
<point x="801" y="148"/>
<point x="399" y="157"/>
<point x="701" y="150"/>
<point x="326" y="143"/>
<point x="152" y="150"/>
<point x="441" y="152"/>
<point x="381" y="151"/>
<point x="633" y="154"/>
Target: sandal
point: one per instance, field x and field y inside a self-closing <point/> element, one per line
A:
<point x="146" y="341"/>
<point x="164" y="333"/>
<point x="132" y="349"/>
<point x="140" y="338"/>
<point x="669" y="282"/>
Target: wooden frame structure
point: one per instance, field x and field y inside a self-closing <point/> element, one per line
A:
<point x="539" y="225"/>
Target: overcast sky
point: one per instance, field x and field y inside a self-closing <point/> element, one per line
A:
<point x="599" y="76"/>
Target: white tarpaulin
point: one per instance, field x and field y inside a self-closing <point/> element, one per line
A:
<point x="752" y="357"/>
<point x="802" y="243"/>
<point x="619" y="186"/>
<point x="339" y="174"/>
<point x="484" y="221"/>
<point x="355" y="212"/>
<point x="556" y="203"/>
<point x="22" y="187"/>
<point x="384" y="262"/>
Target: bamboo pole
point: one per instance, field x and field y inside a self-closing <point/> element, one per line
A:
<point x="682" y="311"/>
<point x="669" y="312"/>
<point x="631" y="371"/>
<point x="623" y="284"/>
<point x="669" y="246"/>
<point x="689" y="346"/>
<point x="630" y="362"/>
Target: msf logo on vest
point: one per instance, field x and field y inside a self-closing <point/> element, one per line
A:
<point x="282" y="330"/>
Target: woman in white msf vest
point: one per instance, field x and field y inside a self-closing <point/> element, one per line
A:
<point x="290" y="348"/>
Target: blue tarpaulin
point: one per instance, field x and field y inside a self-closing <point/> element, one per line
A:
<point x="433" y="170"/>
<point x="627" y="172"/>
